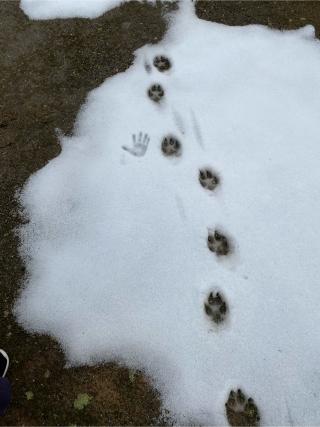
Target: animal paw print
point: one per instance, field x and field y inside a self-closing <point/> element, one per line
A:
<point x="218" y="243"/>
<point x="208" y="179"/>
<point x="215" y="307"/>
<point x="241" y="411"/>
<point x="170" y="146"/>
<point x="162" y="63"/>
<point x="156" y="92"/>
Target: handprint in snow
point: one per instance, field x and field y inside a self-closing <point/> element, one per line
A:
<point x="140" y="144"/>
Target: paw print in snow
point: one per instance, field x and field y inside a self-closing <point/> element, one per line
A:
<point x="156" y="92"/>
<point x="215" y="307"/>
<point x="140" y="145"/>
<point x="162" y="63"/>
<point x="208" y="179"/>
<point x="241" y="411"/>
<point x="170" y="146"/>
<point x="218" y="243"/>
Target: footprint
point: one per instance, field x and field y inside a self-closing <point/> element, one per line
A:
<point x="240" y="410"/>
<point x="208" y="179"/>
<point x="162" y="63"/>
<point x="156" y="92"/>
<point x="171" y="146"/>
<point x="215" y="307"/>
<point x="218" y="243"/>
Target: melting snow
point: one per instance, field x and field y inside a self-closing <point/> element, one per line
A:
<point x="51" y="9"/>
<point x="116" y="246"/>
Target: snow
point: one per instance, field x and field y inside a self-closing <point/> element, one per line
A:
<point x="116" y="252"/>
<point x="51" y="9"/>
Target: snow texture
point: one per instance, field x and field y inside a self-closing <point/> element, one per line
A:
<point x="52" y="9"/>
<point x="116" y="243"/>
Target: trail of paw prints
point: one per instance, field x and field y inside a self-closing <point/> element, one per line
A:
<point x="170" y="145"/>
<point x="156" y="91"/>
<point x="240" y="410"/>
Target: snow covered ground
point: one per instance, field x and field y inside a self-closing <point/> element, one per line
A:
<point x="116" y="247"/>
<point x="51" y="9"/>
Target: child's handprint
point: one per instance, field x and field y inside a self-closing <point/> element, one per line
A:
<point x="140" y="144"/>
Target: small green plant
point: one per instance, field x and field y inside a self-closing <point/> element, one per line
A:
<point x="29" y="395"/>
<point x="82" y="400"/>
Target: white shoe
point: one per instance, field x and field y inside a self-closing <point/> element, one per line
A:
<point x="4" y="363"/>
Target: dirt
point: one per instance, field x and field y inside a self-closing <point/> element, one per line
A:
<point x="47" y="69"/>
<point x="284" y="15"/>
